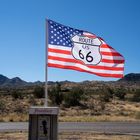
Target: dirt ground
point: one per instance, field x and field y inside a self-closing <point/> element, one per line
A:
<point x="71" y="136"/>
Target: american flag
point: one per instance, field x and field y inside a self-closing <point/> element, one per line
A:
<point x="62" y="52"/>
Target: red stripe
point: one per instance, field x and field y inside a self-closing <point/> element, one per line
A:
<point x="80" y="62"/>
<point x="69" y="52"/>
<point x="106" y="46"/>
<point x="109" y="47"/>
<point x="79" y="69"/>
<point x="59" y="51"/>
<point x="110" y="53"/>
<point x="103" y="60"/>
<point x="112" y="61"/>
<point x="65" y="59"/>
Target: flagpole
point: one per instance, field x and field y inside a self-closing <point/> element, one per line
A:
<point x="46" y="66"/>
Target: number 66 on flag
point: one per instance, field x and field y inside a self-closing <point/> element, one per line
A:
<point x="70" y="48"/>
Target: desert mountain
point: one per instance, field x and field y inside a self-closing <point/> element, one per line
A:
<point x="131" y="77"/>
<point x="7" y="82"/>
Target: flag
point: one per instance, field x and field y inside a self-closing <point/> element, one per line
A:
<point x="70" y="48"/>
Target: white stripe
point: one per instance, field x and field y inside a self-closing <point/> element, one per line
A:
<point x="112" y="57"/>
<point x="84" y="67"/>
<point x="60" y="47"/>
<point x="69" y="48"/>
<point x="100" y="64"/>
<point x="106" y="50"/>
<point x="71" y="57"/>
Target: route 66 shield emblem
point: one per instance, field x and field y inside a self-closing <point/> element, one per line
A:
<point x="86" y="49"/>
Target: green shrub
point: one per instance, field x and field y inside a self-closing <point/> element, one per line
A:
<point x="136" y="96"/>
<point x="106" y="94"/>
<point x="17" y="94"/>
<point x="39" y="92"/>
<point x="2" y="106"/>
<point x="55" y="94"/>
<point x="19" y="109"/>
<point x="120" y="93"/>
<point x="73" y="97"/>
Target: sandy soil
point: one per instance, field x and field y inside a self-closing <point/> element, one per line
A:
<point x="71" y="136"/>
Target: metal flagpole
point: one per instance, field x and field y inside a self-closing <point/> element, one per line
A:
<point x="46" y="66"/>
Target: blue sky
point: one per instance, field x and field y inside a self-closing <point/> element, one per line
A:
<point x="22" y="34"/>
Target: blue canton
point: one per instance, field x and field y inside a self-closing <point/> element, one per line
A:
<point x="60" y="34"/>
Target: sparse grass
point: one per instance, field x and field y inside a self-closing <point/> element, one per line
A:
<point x="116" y="110"/>
<point x="95" y="118"/>
<point x="137" y="115"/>
<point x="13" y="136"/>
<point x="94" y="136"/>
<point x="13" y="117"/>
<point x="71" y="136"/>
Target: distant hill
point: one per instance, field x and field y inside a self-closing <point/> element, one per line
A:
<point x="17" y="82"/>
<point x="5" y="81"/>
<point x="131" y="77"/>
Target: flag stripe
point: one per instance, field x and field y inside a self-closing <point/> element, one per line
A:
<point x="69" y="48"/>
<point x="59" y="51"/>
<point x="80" y="62"/>
<point x="112" y="61"/>
<point x="106" y="59"/>
<point x="70" y="57"/>
<point x="82" y="70"/>
<point x="69" y="52"/>
<point x="84" y="67"/>
<point x="109" y="56"/>
<point x="110" y="53"/>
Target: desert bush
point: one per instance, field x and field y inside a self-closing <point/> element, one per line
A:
<point x="55" y="94"/>
<point x="136" y="96"/>
<point x="95" y="105"/>
<point x="73" y="97"/>
<point x="120" y="93"/>
<point x="17" y="94"/>
<point x="19" y="109"/>
<point x="2" y="105"/>
<point x="32" y="100"/>
<point x="39" y="92"/>
<point x="106" y="94"/>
